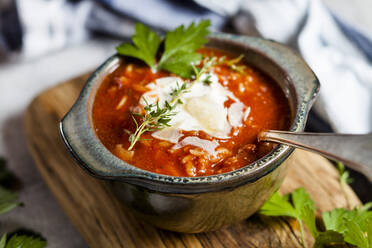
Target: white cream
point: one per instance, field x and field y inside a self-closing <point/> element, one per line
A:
<point x="206" y="145"/>
<point x="202" y="109"/>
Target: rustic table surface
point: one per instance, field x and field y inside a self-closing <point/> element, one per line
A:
<point x="103" y="222"/>
<point x="21" y="80"/>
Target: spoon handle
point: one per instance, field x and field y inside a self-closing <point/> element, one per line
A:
<point x="353" y="150"/>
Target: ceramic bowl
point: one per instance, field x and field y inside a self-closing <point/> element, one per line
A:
<point x="196" y="204"/>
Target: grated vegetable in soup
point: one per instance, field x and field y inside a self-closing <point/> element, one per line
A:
<point x="211" y="123"/>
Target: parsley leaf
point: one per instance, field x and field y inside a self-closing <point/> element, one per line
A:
<point x="303" y="209"/>
<point x="366" y="206"/>
<point x="3" y="241"/>
<point x="334" y="220"/>
<point x="369" y="231"/>
<point x="337" y="219"/>
<point x="278" y="206"/>
<point x="328" y="238"/>
<point x="344" y="174"/>
<point x="359" y="216"/>
<point x="181" y="62"/>
<point x="352" y="224"/>
<point x="308" y="216"/>
<point x="146" y="44"/>
<point x="8" y="200"/>
<point x="156" y="117"/>
<point x="24" y="241"/>
<point x="354" y="235"/>
<point x="342" y="226"/>
<point x="181" y="44"/>
<point x="179" y="47"/>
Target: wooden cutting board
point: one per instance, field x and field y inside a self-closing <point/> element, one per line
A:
<point x="103" y="222"/>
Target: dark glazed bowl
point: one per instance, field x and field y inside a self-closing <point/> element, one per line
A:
<point x="196" y="204"/>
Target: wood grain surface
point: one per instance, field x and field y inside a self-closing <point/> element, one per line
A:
<point x="103" y="222"/>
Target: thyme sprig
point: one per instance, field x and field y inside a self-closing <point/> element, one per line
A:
<point x="156" y="117"/>
<point x="233" y="63"/>
<point x="208" y="63"/>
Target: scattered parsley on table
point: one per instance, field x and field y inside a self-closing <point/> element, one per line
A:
<point x="341" y="226"/>
<point x="9" y="201"/>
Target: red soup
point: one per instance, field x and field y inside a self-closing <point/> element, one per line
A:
<point x="213" y="129"/>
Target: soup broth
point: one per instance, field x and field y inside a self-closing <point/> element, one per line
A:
<point x="201" y="147"/>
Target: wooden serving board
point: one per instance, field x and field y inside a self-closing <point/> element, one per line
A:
<point x="103" y="222"/>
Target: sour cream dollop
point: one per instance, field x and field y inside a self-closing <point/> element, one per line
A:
<point x="203" y="108"/>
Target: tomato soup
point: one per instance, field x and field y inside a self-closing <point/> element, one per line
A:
<point x="251" y="102"/>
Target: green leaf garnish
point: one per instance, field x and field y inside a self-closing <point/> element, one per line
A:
<point x="337" y="219"/>
<point x="156" y="118"/>
<point x="145" y="45"/>
<point x="181" y="64"/>
<point x="342" y="226"/>
<point x="302" y="209"/>
<point x="179" y="57"/>
<point x="328" y="238"/>
<point x="308" y="216"/>
<point x="344" y="180"/>
<point x="179" y="47"/>
<point x="354" y="235"/>
<point x="8" y="200"/>
<point x="369" y="231"/>
<point x="352" y="224"/>
<point x="3" y="241"/>
<point x="233" y="63"/>
<point x="334" y="220"/>
<point x="207" y="80"/>
<point x="278" y="205"/>
<point x="22" y="241"/>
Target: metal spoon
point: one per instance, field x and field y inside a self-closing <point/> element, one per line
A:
<point x="353" y="150"/>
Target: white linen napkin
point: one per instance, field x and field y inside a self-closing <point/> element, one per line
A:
<point x="345" y="73"/>
<point x="340" y="55"/>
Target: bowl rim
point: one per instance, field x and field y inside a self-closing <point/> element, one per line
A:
<point x="82" y="142"/>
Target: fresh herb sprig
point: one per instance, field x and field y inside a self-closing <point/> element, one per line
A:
<point x="302" y="209"/>
<point x="22" y="241"/>
<point x="179" y="56"/>
<point x="208" y="63"/>
<point x="233" y="63"/>
<point x="354" y="225"/>
<point x="180" y="47"/>
<point x="9" y="201"/>
<point x="156" y="118"/>
<point x="342" y="226"/>
<point x="344" y="180"/>
<point x="145" y="45"/>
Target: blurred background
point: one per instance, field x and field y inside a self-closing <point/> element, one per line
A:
<point x="44" y="42"/>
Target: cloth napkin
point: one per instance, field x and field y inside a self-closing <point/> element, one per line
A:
<point x="340" y="55"/>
